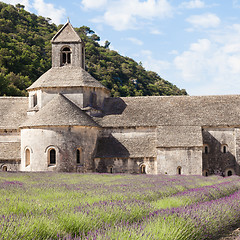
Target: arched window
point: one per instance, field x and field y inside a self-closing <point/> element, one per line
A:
<point x="4" y="168"/>
<point x="52" y="157"/>
<point x="78" y="156"/>
<point x="179" y="170"/>
<point x="27" y="157"/>
<point x="229" y="172"/>
<point x="66" y="56"/>
<point x="206" y="149"/>
<point x="143" y="169"/>
<point x="224" y="148"/>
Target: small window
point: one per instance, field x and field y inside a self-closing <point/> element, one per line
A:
<point x="110" y="169"/>
<point x="27" y="157"/>
<point x="224" y="148"/>
<point x="179" y="170"/>
<point x="34" y="100"/>
<point x="143" y="169"/>
<point x="52" y="157"/>
<point x="78" y="156"/>
<point x="206" y="149"/>
<point x="4" y="168"/>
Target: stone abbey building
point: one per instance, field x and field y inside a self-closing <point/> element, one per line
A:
<point x="70" y="123"/>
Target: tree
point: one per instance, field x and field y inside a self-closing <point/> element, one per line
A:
<point x="106" y="44"/>
<point x="19" y="6"/>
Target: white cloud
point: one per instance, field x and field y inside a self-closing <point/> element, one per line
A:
<point x="135" y="41"/>
<point x="150" y="63"/>
<point x="207" y="20"/>
<point x="23" y="2"/>
<point x="193" y="4"/>
<point x="212" y="64"/>
<point x="156" y="32"/>
<point x="92" y="4"/>
<point x="202" y="45"/>
<point x="49" y="10"/>
<point x="125" y="14"/>
<point x="174" y="52"/>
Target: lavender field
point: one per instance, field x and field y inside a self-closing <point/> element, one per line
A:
<point x="105" y="206"/>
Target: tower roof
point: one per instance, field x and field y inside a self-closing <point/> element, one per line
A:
<point x="66" y="34"/>
<point x="60" y="111"/>
<point x="66" y="77"/>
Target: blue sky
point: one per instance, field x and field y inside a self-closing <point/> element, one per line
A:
<point x="195" y="44"/>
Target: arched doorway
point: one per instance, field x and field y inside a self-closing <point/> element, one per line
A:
<point x="143" y="169"/>
<point x="206" y="173"/>
<point x="4" y="168"/>
<point x="179" y="170"/>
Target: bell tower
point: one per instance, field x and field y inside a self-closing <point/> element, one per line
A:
<point x="67" y="48"/>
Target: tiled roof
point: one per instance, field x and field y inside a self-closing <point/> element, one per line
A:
<point x="122" y="146"/>
<point x="13" y="112"/>
<point x="60" y="111"/>
<point x="66" y="34"/>
<point x="10" y="150"/>
<point x="172" y="111"/>
<point x="179" y="136"/>
<point x="66" y="76"/>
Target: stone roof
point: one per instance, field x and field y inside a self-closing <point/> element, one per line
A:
<point x="172" y="111"/>
<point x="66" y="34"/>
<point x="13" y="112"/>
<point x="124" y="147"/>
<point x="179" y="136"/>
<point x="60" y="111"/>
<point x="10" y="150"/>
<point x="66" y="76"/>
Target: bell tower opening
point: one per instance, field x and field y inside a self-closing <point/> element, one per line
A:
<point x="66" y="56"/>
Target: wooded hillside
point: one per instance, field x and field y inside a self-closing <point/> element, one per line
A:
<point x="25" y="54"/>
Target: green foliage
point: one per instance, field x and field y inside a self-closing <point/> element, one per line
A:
<point x="25" y="49"/>
<point x="25" y="54"/>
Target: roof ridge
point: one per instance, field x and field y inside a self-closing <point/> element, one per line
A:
<point x="11" y="97"/>
<point x="182" y="96"/>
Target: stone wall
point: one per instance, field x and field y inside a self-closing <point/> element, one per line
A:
<point x="216" y="160"/>
<point x="10" y="155"/>
<point x="65" y="141"/>
<point x="81" y="96"/>
<point x="125" y="165"/>
<point x="237" y="134"/>
<point x="9" y="166"/>
<point x="188" y="159"/>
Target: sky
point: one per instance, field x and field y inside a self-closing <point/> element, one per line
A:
<point x="194" y="44"/>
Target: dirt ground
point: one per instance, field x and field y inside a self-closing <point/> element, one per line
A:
<point x="235" y="235"/>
